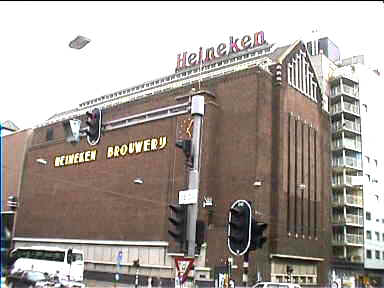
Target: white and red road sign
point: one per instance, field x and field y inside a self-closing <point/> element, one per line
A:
<point x="183" y="266"/>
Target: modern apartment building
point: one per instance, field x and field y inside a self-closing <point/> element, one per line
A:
<point x="351" y="93"/>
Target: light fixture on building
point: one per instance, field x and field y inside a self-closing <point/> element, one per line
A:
<point x="301" y="186"/>
<point x="258" y="183"/>
<point x="138" y="181"/>
<point x="42" y="161"/>
<point x="207" y="202"/>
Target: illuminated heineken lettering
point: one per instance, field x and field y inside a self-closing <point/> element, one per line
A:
<point x="75" y="158"/>
<point x="235" y="45"/>
<point x="137" y="147"/>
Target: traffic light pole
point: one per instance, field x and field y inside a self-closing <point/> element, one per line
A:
<point x="245" y="269"/>
<point x="197" y="111"/>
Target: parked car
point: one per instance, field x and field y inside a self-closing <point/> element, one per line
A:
<point x="35" y="279"/>
<point x="25" y="279"/>
<point x="275" y="285"/>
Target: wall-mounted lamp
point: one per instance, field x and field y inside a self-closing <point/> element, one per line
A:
<point x="258" y="183"/>
<point x="42" y="161"/>
<point x="301" y="186"/>
<point x="207" y="202"/>
<point x="138" y="181"/>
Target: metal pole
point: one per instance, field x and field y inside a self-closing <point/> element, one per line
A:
<point x="137" y="278"/>
<point x="245" y="269"/>
<point x="197" y="111"/>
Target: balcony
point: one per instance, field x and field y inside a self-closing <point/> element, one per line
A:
<point x="345" y="107"/>
<point x="346" y="126"/>
<point x="348" y="200"/>
<point x="349" y="239"/>
<point x="347" y="162"/>
<point x="347" y="90"/>
<point x="350" y="258"/>
<point x="350" y="219"/>
<point x="346" y="143"/>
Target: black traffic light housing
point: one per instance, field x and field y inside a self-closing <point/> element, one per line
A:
<point x="179" y="221"/>
<point x="257" y="238"/>
<point x="186" y="146"/>
<point x="13" y="203"/>
<point x="94" y="126"/>
<point x="239" y="227"/>
<point x="200" y="235"/>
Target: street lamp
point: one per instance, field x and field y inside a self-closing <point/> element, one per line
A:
<point x="79" y="42"/>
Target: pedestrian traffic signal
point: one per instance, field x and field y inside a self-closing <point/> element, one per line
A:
<point x="179" y="221"/>
<point x="257" y="238"/>
<point x="94" y="126"/>
<point x="239" y="227"/>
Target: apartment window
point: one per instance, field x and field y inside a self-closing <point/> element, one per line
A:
<point x="377" y="254"/>
<point x="369" y="254"/>
<point x="368" y="215"/>
<point x="382" y="236"/>
<point x="382" y="256"/>
<point x="377" y="236"/>
<point x="369" y="235"/>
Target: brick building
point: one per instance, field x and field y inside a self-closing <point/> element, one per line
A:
<point x="263" y="123"/>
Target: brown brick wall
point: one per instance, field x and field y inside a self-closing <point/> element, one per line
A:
<point x="245" y="138"/>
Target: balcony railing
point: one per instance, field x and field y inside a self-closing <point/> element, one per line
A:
<point x="353" y="239"/>
<point x="348" y="161"/>
<point x="340" y="180"/>
<point x="350" y="258"/>
<point x="350" y="125"/>
<point x="348" y="200"/>
<point x="346" y="143"/>
<point x="345" y="89"/>
<point x="345" y="107"/>
<point x="348" y="220"/>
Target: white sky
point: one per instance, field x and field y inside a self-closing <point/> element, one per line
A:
<point x="134" y="42"/>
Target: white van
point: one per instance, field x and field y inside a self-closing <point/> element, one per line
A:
<point x="275" y="285"/>
<point x="68" y="263"/>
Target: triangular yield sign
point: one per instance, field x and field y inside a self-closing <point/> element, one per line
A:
<point x="183" y="266"/>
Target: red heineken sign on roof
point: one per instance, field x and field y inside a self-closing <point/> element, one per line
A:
<point x="234" y="45"/>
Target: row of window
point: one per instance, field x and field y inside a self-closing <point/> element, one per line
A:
<point x="369" y="217"/>
<point x="377" y="254"/>
<point x="369" y="235"/>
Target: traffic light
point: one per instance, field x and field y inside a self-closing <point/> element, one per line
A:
<point x="257" y="238"/>
<point x="13" y="203"/>
<point x="239" y="227"/>
<point x="179" y="220"/>
<point x="185" y="145"/>
<point x="200" y="235"/>
<point x="94" y="126"/>
<point x="289" y="270"/>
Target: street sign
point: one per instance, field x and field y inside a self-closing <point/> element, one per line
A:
<point x="183" y="266"/>
<point x="188" y="196"/>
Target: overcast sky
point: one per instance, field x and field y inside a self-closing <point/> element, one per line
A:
<point x="134" y="42"/>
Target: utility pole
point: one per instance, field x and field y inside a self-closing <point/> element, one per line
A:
<point x="197" y="112"/>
